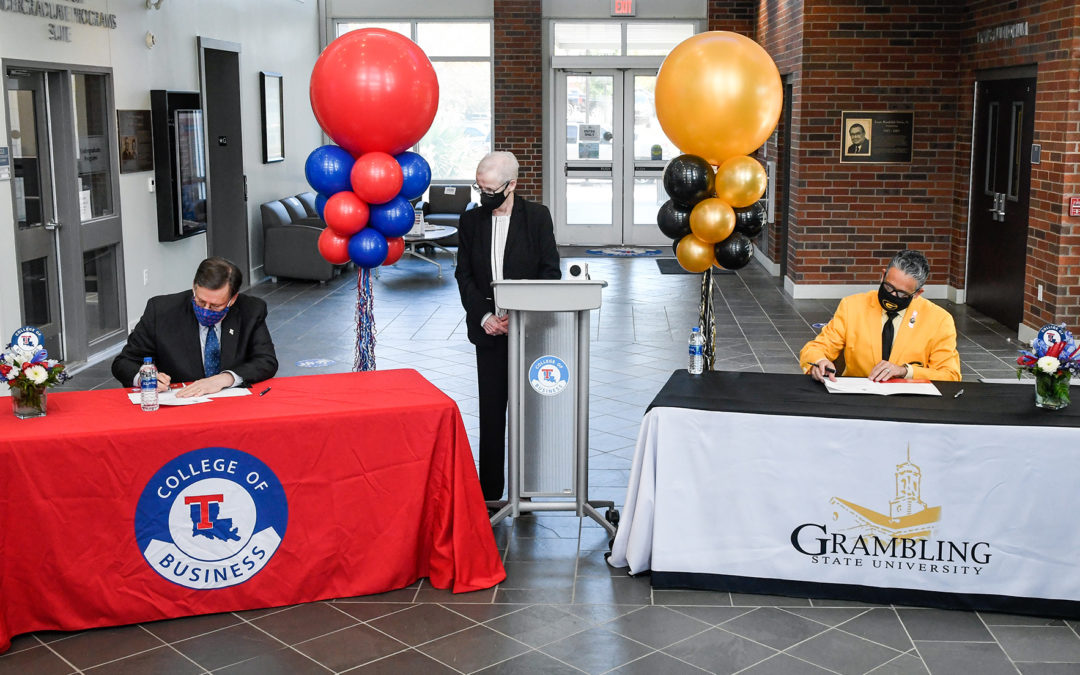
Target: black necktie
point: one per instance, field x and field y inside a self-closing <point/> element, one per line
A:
<point x="887" y="335"/>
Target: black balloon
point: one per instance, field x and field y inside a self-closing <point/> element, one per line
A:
<point x="734" y="253"/>
<point x="750" y="220"/>
<point x="688" y="179"/>
<point x="674" y="220"/>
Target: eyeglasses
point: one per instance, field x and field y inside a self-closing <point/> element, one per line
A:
<point x="482" y="191"/>
<point x="899" y="294"/>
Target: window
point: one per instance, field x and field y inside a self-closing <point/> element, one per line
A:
<point x="460" y="51"/>
<point x="615" y="38"/>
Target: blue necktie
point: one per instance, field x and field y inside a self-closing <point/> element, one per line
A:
<point x="212" y="353"/>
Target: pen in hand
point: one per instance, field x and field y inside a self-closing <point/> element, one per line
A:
<point x="263" y="392"/>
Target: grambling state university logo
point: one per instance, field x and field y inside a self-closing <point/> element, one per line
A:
<point x="549" y="375"/>
<point x="211" y="518"/>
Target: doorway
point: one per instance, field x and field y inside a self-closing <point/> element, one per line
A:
<point x="1001" y="176"/>
<point x="65" y="187"/>
<point x="610" y="158"/>
<point x="227" y="218"/>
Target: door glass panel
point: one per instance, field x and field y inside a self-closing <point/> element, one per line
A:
<point x="1014" y="148"/>
<point x="649" y="140"/>
<point x="35" y="289"/>
<point x="25" y="183"/>
<point x="90" y="95"/>
<point x="990" y="179"/>
<point x="101" y="292"/>
<point x="191" y="165"/>
<point x="649" y="196"/>
<point x="655" y="39"/>
<point x="460" y="136"/>
<point x="588" y="201"/>
<point x="589" y="116"/>
<point x="588" y="39"/>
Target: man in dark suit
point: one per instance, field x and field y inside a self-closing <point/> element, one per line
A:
<point x="859" y="143"/>
<point x="508" y="237"/>
<point x="211" y="336"/>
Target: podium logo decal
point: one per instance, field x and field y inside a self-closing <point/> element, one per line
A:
<point x="549" y="375"/>
<point x="211" y="518"/>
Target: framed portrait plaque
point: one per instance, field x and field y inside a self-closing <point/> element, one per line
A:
<point x="273" y="117"/>
<point x="876" y="137"/>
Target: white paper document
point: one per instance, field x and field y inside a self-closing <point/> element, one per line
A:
<point x="170" y="398"/>
<point x="864" y="385"/>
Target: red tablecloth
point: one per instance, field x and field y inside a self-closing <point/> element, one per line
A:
<point x="375" y="488"/>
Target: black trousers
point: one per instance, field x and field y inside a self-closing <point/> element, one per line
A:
<point x="491" y="379"/>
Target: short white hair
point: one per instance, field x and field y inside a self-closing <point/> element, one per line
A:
<point x="501" y="164"/>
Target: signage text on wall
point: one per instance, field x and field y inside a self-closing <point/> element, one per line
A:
<point x="1006" y="32"/>
<point x="60" y="12"/>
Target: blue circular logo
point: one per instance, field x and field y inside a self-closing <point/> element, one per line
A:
<point x="211" y="518"/>
<point x="29" y="341"/>
<point x="549" y="375"/>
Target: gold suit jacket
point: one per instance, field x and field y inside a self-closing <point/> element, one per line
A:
<point x="925" y="339"/>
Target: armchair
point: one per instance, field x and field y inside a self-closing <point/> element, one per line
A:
<point x="290" y="246"/>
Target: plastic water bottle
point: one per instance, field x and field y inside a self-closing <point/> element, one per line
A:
<point x="148" y="385"/>
<point x="697" y="351"/>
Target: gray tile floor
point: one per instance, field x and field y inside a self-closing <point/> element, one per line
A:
<point x="562" y="609"/>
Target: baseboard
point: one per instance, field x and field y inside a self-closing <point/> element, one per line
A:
<point x="772" y="268"/>
<point x="837" y="291"/>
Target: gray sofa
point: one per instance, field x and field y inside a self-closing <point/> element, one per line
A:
<point x="291" y="229"/>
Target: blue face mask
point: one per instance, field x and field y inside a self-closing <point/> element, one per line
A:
<point x="208" y="317"/>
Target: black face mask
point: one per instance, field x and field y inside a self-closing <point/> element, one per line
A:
<point x="890" y="302"/>
<point x="492" y="202"/>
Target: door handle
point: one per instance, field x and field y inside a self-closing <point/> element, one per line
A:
<point x="998" y="209"/>
<point x="52" y="226"/>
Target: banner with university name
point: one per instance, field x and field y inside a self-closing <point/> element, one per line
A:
<point x="970" y="509"/>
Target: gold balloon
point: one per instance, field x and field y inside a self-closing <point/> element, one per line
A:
<point x="712" y="220"/>
<point x="694" y="255"/>
<point x="718" y="95"/>
<point x="740" y="181"/>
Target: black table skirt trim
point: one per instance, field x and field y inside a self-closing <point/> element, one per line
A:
<point x="1065" y="609"/>
<point x="780" y="394"/>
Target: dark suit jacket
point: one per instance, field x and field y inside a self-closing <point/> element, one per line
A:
<point x="169" y="332"/>
<point x="861" y="149"/>
<point x="530" y="254"/>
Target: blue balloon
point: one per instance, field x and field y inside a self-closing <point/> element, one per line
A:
<point x="327" y="169"/>
<point x="394" y="218"/>
<point x="320" y="204"/>
<point x="368" y="248"/>
<point x="416" y="172"/>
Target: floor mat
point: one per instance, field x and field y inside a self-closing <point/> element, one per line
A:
<point x="672" y="266"/>
<point x="623" y="251"/>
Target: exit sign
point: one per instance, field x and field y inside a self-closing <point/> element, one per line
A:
<point x="623" y="8"/>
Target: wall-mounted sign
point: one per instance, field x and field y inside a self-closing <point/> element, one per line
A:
<point x="61" y="13"/>
<point x="1007" y="32"/>
<point x="1074" y="207"/>
<point x="136" y="140"/>
<point x="623" y="8"/>
<point x="876" y="137"/>
<point x="5" y="164"/>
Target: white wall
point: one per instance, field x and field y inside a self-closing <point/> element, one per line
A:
<point x="274" y="35"/>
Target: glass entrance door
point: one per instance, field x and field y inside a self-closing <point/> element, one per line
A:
<point x="67" y="225"/>
<point x="611" y="156"/>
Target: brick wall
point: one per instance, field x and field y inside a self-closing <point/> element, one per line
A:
<point x="1053" y="249"/>
<point x="920" y="55"/>
<point x="733" y="15"/>
<point x="518" y="89"/>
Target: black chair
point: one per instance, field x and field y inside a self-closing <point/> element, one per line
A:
<point x="290" y="247"/>
<point x="444" y="206"/>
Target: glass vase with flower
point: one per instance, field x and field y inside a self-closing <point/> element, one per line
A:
<point x="1053" y="358"/>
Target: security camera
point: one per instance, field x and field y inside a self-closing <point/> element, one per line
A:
<point x="579" y="271"/>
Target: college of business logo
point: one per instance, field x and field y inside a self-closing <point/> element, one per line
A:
<point x="211" y="518"/>
<point x="549" y="375"/>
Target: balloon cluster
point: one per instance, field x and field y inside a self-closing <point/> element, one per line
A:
<point x="718" y="98"/>
<point x="374" y="92"/>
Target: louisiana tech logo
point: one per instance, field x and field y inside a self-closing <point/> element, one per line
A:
<point x="549" y="375"/>
<point x="211" y="518"/>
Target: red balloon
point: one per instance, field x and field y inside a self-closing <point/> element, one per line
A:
<point x="334" y="247"/>
<point x="345" y="213"/>
<point x="374" y="90"/>
<point x="376" y="177"/>
<point x="395" y="247"/>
